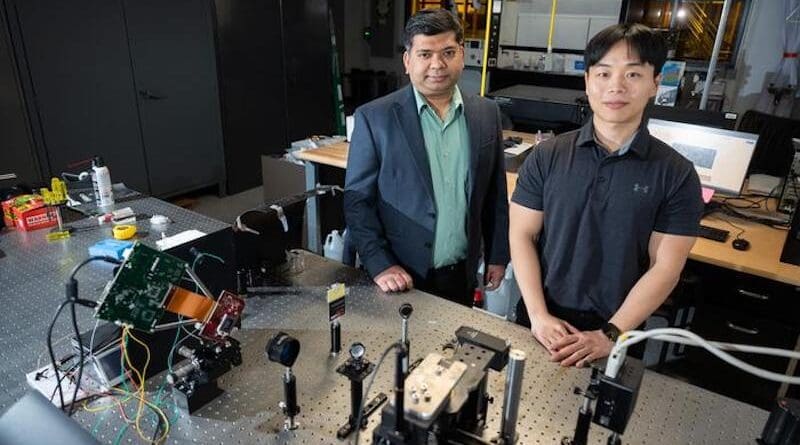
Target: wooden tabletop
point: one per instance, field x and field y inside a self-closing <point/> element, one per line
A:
<point x="762" y="259"/>
<point x="334" y="155"/>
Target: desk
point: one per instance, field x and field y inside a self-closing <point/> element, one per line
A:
<point x="763" y="258"/>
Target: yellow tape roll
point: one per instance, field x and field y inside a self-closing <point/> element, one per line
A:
<point x="124" y="231"/>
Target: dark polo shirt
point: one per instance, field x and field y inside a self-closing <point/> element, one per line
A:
<point x="600" y="209"/>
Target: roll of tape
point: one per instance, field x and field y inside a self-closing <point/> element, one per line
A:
<point x="124" y="231"/>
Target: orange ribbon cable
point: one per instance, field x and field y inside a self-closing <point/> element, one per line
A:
<point x="189" y="304"/>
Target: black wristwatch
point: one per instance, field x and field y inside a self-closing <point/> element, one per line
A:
<point x="611" y="331"/>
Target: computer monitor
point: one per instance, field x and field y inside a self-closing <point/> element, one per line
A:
<point x="721" y="157"/>
<point x="717" y="119"/>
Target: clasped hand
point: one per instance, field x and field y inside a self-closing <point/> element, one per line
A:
<point x="568" y="345"/>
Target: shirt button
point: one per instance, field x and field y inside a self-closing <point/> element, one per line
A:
<point x="601" y="179"/>
<point x="428" y="245"/>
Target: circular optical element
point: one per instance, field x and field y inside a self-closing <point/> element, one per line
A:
<point x="357" y="351"/>
<point x="283" y="348"/>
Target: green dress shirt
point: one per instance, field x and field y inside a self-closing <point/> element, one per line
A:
<point x="447" y="145"/>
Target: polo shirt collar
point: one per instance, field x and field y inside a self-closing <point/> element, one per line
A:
<point x="640" y="144"/>
<point x="456" y="102"/>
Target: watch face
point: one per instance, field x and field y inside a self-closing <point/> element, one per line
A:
<point x="611" y="331"/>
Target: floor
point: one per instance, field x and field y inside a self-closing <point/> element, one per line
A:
<point x="224" y="209"/>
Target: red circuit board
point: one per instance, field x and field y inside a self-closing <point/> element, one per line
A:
<point x="224" y="318"/>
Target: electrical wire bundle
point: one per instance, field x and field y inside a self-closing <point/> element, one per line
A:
<point x="71" y="369"/>
<point x="122" y="396"/>
<point x="684" y="337"/>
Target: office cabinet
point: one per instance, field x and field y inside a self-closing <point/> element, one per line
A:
<point x="172" y="46"/>
<point x="82" y="85"/>
<point x="737" y="307"/>
<point x="132" y="81"/>
<point x="16" y="144"/>
<point x="175" y="95"/>
<point x="274" y="64"/>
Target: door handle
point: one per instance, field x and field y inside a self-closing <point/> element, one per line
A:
<point x="753" y="295"/>
<point x="149" y="95"/>
<point x="750" y="331"/>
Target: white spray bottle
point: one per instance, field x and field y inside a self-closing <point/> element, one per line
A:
<point x="101" y="181"/>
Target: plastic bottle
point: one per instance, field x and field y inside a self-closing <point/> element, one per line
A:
<point x="334" y="246"/>
<point x="101" y="181"/>
<point x="503" y="299"/>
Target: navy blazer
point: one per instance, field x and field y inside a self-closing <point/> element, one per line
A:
<point x="388" y="200"/>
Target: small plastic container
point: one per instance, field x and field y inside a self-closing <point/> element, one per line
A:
<point x="334" y="246"/>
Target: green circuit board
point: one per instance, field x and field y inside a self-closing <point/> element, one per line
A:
<point x="137" y="294"/>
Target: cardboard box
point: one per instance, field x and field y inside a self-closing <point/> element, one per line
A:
<point x="28" y="212"/>
<point x="8" y="214"/>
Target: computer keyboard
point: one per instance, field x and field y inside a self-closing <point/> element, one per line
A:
<point x="713" y="233"/>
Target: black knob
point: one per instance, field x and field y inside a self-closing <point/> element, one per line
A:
<point x="783" y="424"/>
<point x="283" y="348"/>
<point x="405" y="310"/>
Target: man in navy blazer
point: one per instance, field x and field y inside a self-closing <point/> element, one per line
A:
<point x="425" y="193"/>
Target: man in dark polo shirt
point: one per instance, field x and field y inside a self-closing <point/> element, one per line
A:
<point x="603" y="218"/>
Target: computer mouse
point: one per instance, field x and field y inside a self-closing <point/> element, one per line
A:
<point x="741" y="244"/>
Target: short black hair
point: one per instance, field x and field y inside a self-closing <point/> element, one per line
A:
<point x="647" y="43"/>
<point x="431" y="22"/>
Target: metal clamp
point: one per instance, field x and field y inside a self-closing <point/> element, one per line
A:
<point x="239" y="225"/>
<point x="281" y="216"/>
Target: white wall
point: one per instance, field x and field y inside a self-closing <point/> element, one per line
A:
<point x="760" y="52"/>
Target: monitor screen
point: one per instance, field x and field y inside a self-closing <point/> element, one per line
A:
<point x="717" y="119"/>
<point x="721" y="157"/>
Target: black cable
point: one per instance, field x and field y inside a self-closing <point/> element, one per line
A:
<point x="72" y="298"/>
<point x="369" y="386"/>
<point x="741" y="230"/>
<point x="80" y="357"/>
<point x="52" y="354"/>
<point x="58" y="384"/>
<point x="158" y="428"/>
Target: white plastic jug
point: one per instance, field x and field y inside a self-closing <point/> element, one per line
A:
<point x="334" y="246"/>
<point x="503" y="300"/>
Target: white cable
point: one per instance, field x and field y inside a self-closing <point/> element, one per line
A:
<point x="632" y="337"/>
<point x="733" y="347"/>
<point x="57" y="342"/>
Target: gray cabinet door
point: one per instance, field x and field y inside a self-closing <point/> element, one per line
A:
<point x="16" y="146"/>
<point x="172" y="49"/>
<point x="80" y="71"/>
